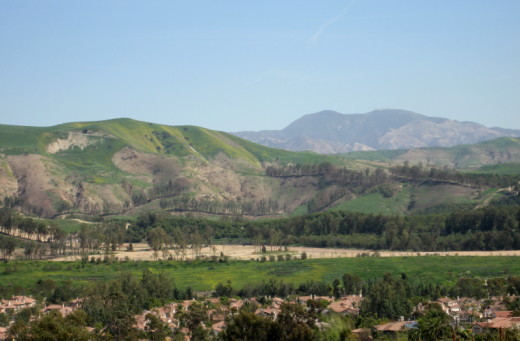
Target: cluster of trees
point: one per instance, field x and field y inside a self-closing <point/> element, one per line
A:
<point x="13" y="224"/>
<point x="419" y="172"/>
<point x="295" y="322"/>
<point x="38" y="239"/>
<point x="31" y="249"/>
<point x="229" y="207"/>
<point x="330" y="174"/>
<point x="373" y="177"/>
<point x="114" y="304"/>
<point x="52" y="326"/>
<point x="490" y="228"/>
<point x="298" y="169"/>
<point x="7" y="246"/>
<point x="170" y="188"/>
<point x="109" y="236"/>
<point x="485" y="219"/>
<point x="177" y="242"/>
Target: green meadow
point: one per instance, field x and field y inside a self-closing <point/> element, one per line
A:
<point x="204" y="275"/>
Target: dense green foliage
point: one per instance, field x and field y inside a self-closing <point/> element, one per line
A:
<point x="46" y="278"/>
<point x="53" y="326"/>
<point x="490" y="228"/>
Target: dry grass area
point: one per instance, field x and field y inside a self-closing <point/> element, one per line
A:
<point x="246" y="252"/>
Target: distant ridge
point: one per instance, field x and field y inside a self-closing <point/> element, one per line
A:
<point x="330" y="132"/>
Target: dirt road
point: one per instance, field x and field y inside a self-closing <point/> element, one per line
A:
<point x="246" y="252"/>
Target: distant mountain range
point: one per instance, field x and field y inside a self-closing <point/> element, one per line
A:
<point x="330" y="132"/>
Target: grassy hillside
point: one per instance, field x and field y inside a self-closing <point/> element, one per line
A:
<point x="501" y="169"/>
<point x="501" y="150"/>
<point x="118" y="165"/>
<point x="153" y="138"/>
<point x="124" y="166"/>
<point x="417" y="198"/>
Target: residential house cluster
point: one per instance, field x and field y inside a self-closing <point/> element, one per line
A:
<point x="466" y="313"/>
<point x="498" y="323"/>
<point x="483" y="314"/>
<point x="218" y="312"/>
<point x="13" y="305"/>
<point x="16" y="303"/>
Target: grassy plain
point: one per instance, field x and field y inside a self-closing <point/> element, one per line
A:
<point x="500" y="169"/>
<point x="204" y="275"/>
<point x="375" y="203"/>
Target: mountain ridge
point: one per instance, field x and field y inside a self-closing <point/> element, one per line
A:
<point x="330" y="132"/>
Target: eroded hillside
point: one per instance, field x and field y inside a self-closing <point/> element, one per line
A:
<point x="125" y="166"/>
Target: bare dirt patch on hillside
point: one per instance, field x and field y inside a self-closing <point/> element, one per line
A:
<point x="142" y="252"/>
<point x="8" y="183"/>
<point x="74" y="139"/>
<point x="34" y="181"/>
<point x="160" y="168"/>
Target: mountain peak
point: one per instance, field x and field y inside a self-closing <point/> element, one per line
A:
<point x="329" y="132"/>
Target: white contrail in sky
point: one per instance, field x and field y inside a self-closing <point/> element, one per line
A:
<point x="316" y="36"/>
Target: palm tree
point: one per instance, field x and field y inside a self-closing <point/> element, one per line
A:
<point x="433" y="326"/>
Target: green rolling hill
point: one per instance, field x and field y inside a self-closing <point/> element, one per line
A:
<point x="123" y="166"/>
<point x="118" y="165"/>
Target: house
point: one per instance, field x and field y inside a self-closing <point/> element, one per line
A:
<point x="277" y="302"/>
<point x="62" y="309"/>
<point x="343" y="308"/>
<point x="3" y="333"/>
<point x="496" y="323"/>
<point x="26" y="300"/>
<point x="503" y="313"/>
<point x="216" y="328"/>
<point x="140" y="321"/>
<point x="269" y="312"/>
<point x="16" y="303"/>
<point x="394" y="327"/>
<point x="363" y="334"/>
<point x="76" y="303"/>
<point x="305" y="299"/>
<point x="347" y="305"/>
<point x="449" y="306"/>
<point x="237" y="304"/>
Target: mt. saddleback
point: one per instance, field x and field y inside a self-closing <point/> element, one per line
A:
<point x="330" y="132"/>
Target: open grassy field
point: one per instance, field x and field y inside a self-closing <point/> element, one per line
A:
<point x="501" y="169"/>
<point x="204" y="275"/>
<point x="375" y="203"/>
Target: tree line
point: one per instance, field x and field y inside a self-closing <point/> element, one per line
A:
<point x="490" y="228"/>
<point x="486" y="229"/>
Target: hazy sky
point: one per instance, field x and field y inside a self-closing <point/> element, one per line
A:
<point x="251" y="65"/>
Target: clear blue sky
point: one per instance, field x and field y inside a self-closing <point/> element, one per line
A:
<point x="251" y="65"/>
